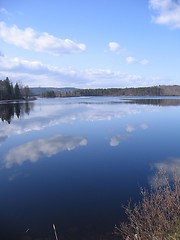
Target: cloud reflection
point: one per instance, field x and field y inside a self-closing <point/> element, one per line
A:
<point x="47" y="114"/>
<point x="130" y="128"/>
<point x="114" y="141"/>
<point x="144" y="126"/>
<point x="171" y="165"/>
<point x="36" y="149"/>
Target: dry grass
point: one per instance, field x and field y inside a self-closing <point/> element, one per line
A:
<point x="157" y="216"/>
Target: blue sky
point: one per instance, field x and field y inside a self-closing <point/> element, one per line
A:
<point x="90" y="44"/>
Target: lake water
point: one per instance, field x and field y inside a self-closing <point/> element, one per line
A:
<point x="73" y="162"/>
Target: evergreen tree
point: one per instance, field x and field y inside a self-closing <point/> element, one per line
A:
<point x="7" y="89"/>
<point x="17" y="93"/>
<point x="10" y="92"/>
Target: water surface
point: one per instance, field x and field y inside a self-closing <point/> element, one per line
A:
<point x="73" y="162"/>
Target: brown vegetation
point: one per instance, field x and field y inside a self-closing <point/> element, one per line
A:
<point x="157" y="216"/>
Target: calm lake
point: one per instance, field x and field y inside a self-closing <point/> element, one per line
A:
<point x="74" y="162"/>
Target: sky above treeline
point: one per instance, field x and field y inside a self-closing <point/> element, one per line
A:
<point x="90" y="44"/>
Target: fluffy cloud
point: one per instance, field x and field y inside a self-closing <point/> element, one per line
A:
<point x="166" y="12"/>
<point x="130" y="60"/>
<point x="23" y="65"/>
<point x="114" y="47"/>
<point x="144" y="62"/>
<point x="36" y="149"/>
<point x="35" y="73"/>
<point x="29" y="39"/>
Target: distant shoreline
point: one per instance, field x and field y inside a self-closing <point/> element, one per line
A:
<point x="161" y="90"/>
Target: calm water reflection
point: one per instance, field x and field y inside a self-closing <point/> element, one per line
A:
<point x="9" y="111"/>
<point x="74" y="162"/>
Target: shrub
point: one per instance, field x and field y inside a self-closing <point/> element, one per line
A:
<point x="157" y="215"/>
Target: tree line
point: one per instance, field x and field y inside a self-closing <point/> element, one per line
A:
<point x="8" y="91"/>
<point x="132" y="91"/>
<point x="49" y="94"/>
<point x="140" y="91"/>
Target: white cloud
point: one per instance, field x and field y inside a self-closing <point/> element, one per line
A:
<point x="166" y="12"/>
<point x="114" y="47"/>
<point x="35" y="73"/>
<point x="130" y="60"/>
<point x="34" y="150"/>
<point x="144" y="62"/>
<point x="29" y="39"/>
<point x="20" y="64"/>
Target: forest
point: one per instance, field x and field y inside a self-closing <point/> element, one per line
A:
<point x="8" y="91"/>
<point x="133" y="91"/>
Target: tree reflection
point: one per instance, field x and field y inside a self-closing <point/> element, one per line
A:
<point x="11" y="110"/>
<point x="156" y="101"/>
